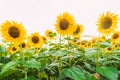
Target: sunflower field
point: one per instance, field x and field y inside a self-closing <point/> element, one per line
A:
<point x="61" y="54"/>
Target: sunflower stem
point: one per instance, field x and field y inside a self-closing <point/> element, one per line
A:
<point x="97" y="56"/>
<point x="23" y="60"/>
<point x="60" y="69"/>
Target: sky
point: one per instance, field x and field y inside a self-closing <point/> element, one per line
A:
<point x="40" y="15"/>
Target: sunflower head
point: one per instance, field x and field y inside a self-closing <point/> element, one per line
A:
<point x="108" y="49"/>
<point x="49" y="34"/>
<point x="115" y="37"/>
<point x="13" y="32"/>
<point x="44" y="39"/>
<point x="23" y="45"/>
<point x="89" y="44"/>
<point x="35" y="40"/>
<point x="83" y="44"/>
<point x="79" y="29"/>
<point x="65" y="24"/>
<point x="102" y="38"/>
<point x="13" y="49"/>
<point x="107" y="23"/>
<point x="93" y="40"/>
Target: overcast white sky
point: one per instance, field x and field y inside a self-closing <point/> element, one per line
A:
<point x="40" y="15"/>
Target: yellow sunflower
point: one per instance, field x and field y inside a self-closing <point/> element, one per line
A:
<point x="83" y="44"/>
<point x="102" y="38"/>
<point x="65" y="24"/>
<point x="116" y="46"/>
<point x="13" y="32"/>
<point x="79" y="29"/>
<point x="93" y="40"/>
<point x="108" y="49"/>
<point x="107" y="23"/>
<point x="49" y="34"/>
<point x="35" y="40"/>
<point x="89" y="44"/>
<point x="115" y="37"/>
<point x="23" y="45"/>
<point x="13" y="49"/>
<point x="44" y="39"/>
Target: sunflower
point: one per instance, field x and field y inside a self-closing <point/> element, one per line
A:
<point x="65" y="24"/>
<point x="89" y="44"/>
<point x="83" y="44"/>
<point x="49" y="34"/>
<point x="79" y="29"/>
<point x="13" y="32"/>
<point x="23" y="45"/>
<point x="107" y="23"/>
<point x="13" y="49"/>
<point x="44" y="39"/>
<point x="108" y="49"/>
<point x="35" y="40"/>
<point x="115" y="37"/>
<point x="93" y="40"/>
<point x="116" y="46"/>
<point x="102" y="38"/>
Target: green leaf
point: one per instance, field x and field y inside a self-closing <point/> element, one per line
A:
<point x="104" y="44"/>
<point x="89" y="76"/>
<point x="110" y="73"/>
<point x="90" y="52"/>
<point x="32" y="63"/>
<point x="53" y="64"/>
<point x="74" y="73"/>
<point x="58" y="52"/>
<point x="29" y="78"/>
<point x="116" y="57"/>
<point x="2" y="49"/>
<point x="89" y="66"/>
<point x="8" y="68"/>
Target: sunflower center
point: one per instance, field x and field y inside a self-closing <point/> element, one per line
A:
<point x="115" y="36"/>
<point x="35" y="39"/>
<point x="64" y="24"/>
<point x="50" y="34"/>
<point x="23" y="45"/>
<point x="77" y="30"/>
<point x="44" y="38"/>
<point x="106" y="23"/>
<point x="109" y="49"/>
<point x="14" y="32"/>
<point x="14" y="49"/>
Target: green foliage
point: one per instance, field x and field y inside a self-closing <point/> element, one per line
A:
<point x="74" y="73"/>
<point x="32" y="64"/>
<point x="8" y="68"/>
<point x="61" y="60"/>
<point x="110" y="72"/>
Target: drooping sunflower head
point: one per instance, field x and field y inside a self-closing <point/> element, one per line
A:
<point x="35" y="40"/>
<point x="93" y="40"/>
<point x="115" y="37"/>
<point x="107" y="23"/>
<point x="65" y="24"/>
<point x="13" y="32"/>
<point x="102" y="38"/>
<point x="79" y="29"/>
<point x="108" y="49"/>
<point x="44" y="39"/>
<point x="89" y="44"/>
<point x="23" y="45"/>
<point x="83" y="44"/>
<point x="49" y="34"/>
<point x="13" y="49"/>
